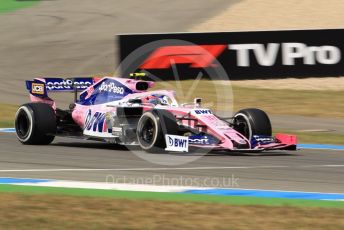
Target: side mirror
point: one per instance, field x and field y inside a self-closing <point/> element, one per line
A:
<point x="135" y="101"/>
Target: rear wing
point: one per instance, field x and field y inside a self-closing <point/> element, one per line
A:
<point x="40" y="87"/>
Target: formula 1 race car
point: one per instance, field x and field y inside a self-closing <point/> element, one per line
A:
<point x="123" y="111"/>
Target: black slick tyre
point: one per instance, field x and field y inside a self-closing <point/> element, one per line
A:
<point x="152" y="128"/>
<point x="35" y="124"/>
<point x="251" y="122"/>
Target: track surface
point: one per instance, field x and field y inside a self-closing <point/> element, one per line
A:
<point x="304" y="170"/>
<point x="65" y="37"/>
<point x="77" y="37"/>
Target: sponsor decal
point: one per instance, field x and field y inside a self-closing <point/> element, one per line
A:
<point x="95" y="122"/>
<point x="111" y="87"/>
<point x="197" y="56"/>
<point x="200" y="139"/>
<point x="177" y="143"/>
<point x="89" y="91"/>
<point x="37" y="88"/>
<point x="240" y="55"/>
<point x="207" y="117"/>
<point x="202" y="111"/>
<point x="202" y="56"/>
<point x="67" y="84"/>
<point x="106" y="90"/>
<point x="261" y="140"/>
<point x="266" y="55"/>
<point x="117" y="131"/>
<point x="87" y="118"/>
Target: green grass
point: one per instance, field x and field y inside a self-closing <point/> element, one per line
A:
<point x="176" y="197"/>
<point x="7" y="113"/>
<point x="12" y="5"/>
<point x="19" y="210"/>
<point x="312" y="103"/>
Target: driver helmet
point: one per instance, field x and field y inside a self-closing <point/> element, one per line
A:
<point x="163" y="99"/>
<point x="157" y="99"/>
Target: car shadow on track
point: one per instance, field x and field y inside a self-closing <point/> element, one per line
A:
<point x="109" y="146"/>
<point x="244" y="154"/>
<point x="91" y="145"/>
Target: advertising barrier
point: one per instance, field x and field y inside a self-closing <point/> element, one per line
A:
<point x="243" y="55"/>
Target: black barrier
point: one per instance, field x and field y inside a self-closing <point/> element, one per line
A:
<point x="244" y="55"/>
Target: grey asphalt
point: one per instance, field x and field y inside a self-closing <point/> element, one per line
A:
<point x="308" y="124"/>
<point x="303" y="170"/>
<point x="76" y="38"/>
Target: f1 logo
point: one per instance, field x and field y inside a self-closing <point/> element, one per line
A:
<point x="37" y="88"/>
<point x="198" y="56"/>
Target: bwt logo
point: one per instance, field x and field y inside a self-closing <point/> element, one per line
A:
<point x="202" y="56"/>
<point x="95" y="123"/>
<point x="177" y="142"/>
<point x="202" y="111"/>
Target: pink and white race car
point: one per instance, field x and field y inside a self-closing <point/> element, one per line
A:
<point x="123" y="111"/>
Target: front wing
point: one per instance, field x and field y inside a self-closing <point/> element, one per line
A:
<point x="259" y="143"/>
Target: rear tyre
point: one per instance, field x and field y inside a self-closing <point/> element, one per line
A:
<point x="152" y="128"/>
<point x="251" y="122"/>
<point x="35" y="124"/>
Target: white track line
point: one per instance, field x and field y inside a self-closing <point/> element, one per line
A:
<point x="143" y="187"/>
<point x="112" y="186"/>
<point x="167" y="169"/>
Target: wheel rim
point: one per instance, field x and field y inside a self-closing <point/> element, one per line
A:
<point x="147" y="132"/>
<point x="243" y="126"/>
<point x="22" y="124"/>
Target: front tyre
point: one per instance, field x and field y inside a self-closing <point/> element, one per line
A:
<point x="152" y="128"/>
<point x="251" y="122"/>
<point x="35" y="124"/>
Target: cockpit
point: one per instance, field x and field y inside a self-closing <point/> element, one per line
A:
<point x="158" y="99"/>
